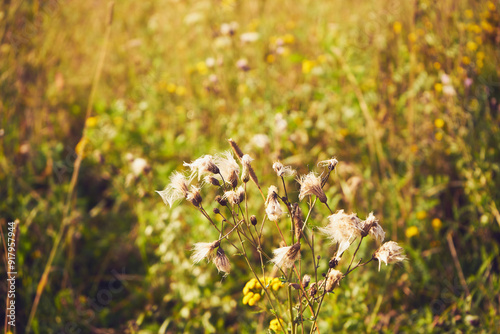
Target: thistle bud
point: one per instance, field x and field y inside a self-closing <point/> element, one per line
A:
<point x="212" y="180"/>
<point x="216" y="211"/>
<point x="313" y="289"/>
<point x="253" y="220"/>
<point x="221" y="200"/>
<point x="333" y="262"/>
<point x="297" y="220"/>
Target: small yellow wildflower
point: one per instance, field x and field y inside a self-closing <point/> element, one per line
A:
<point x="201" y="67"/>
<point x="411" y="231"/>
<point x="412" y="37"/>
<point x="289" y="39"/>
<point x="171" y="88"/>
<point x="480" y="63"/>
<point x="466" y="60"/>
<point x="414" y="148"/>
<point x="91" y="122"/>
<point x="438" y="87"/>
<point x="439" y="123"/>
<point x="478" y="40"/>
<point x="421" y="215"/>
<point x="471" y="46"/>
<point x="491" y="6"/>
<point x="437" y="66"/>
<point x="437" y="224"/>
<point x="438" y="136"/>
<point x="480" y="55"/>
<point x="181" y="91"/>
<point x="469" y="14"/>
<point x="275" y="325"/>
<point x="307" y="66"/>
<point x="397" y="26"/>
<point x="322" y="59"/>
<point x="270" y="58"/>
<point x="344" y="132"/>
<point x="81" y="145"/>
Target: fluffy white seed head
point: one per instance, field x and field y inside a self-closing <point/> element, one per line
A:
<point x="204" y="250"/>
<point x="285" y="257"/>
<point x="203" y="165"/>
<point x="221" y="262"/>
<point x="331" y="163"/>
<point x="310" y="184"/>
<point x="235" y="197"/>
<point x="178" y="188"/>
<point x="228" y="168"/>
<point x="333" y="280"/>
<point x="371" y="226"/>
<point x="273" y="208"/>
<point x="389" y="252"/>
<point x="282" y="170"/>
<point x="342" y="229"/>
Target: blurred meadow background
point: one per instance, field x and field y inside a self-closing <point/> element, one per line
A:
<point x="405" y="94"/>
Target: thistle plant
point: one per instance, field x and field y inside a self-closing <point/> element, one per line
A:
<point x="291" y="293"/>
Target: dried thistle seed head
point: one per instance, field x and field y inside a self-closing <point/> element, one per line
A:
<point x="331" y="163"/>
<point x="221" y="200"/>
<point x="313" y="289"/>
<point x="216" y="211"/>
<point x="177" y="189"/>
<point x="294" y="285"/>
<point x="194" y="196"/>
<point x="203" y="165"/>
<point x="236" y="148"/>
<point x="245" y="173"/>
<point x="372" y="227"/>
<point x="297" y="220"/>
<point x="282" y="170"/>
<point x="389" y="252"/>
<point x="333" y="280"/>
<point x="284" y="257"/>
<point x="212" y="180"/>
<point x="342" y="229"/>
<point x="221" y="262"/>
<point x="241" y="194"/>
<point x="310" y="184"/>
<point x="305" y="280"/>
<point x="253" y="220"/>
<point x="204" y="250"/>
<point x="235" y="197"/>
<point x="228" y="168"/>
<point x="273" y="208"/>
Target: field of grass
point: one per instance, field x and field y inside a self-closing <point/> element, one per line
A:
<point x="405" y="94"/>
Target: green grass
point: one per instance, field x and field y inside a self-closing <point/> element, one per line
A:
<point x="360" y="82"/>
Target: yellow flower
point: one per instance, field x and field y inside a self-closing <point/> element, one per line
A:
<point x="91" y="122"/>
<point x="437" y="66"/>
<point x="81" y="145"/>
<point x="270" y="58"/>
<point x="466" y="60"/>
<point x="201" y="67"/>
<point x="438" y="87"/>
<point x="421" y="215"/>
<point x="412" y="37"/>
<point x="275" y="325"/>
<point x="469" y="14"/>
<point x="491" y="6"/>
<point x="171" y="88"/>
<point x="289" y="39"/>
<point x="307" y="66"/>
<point x="471" y="46"/>
<point x="397" y="26"/>
<point x="439" y="123"/>
<point x="437" y="224"/>
<point x="181" y="91"/>
<point x="411" y="231"/>
<point x="438" y="136"/>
